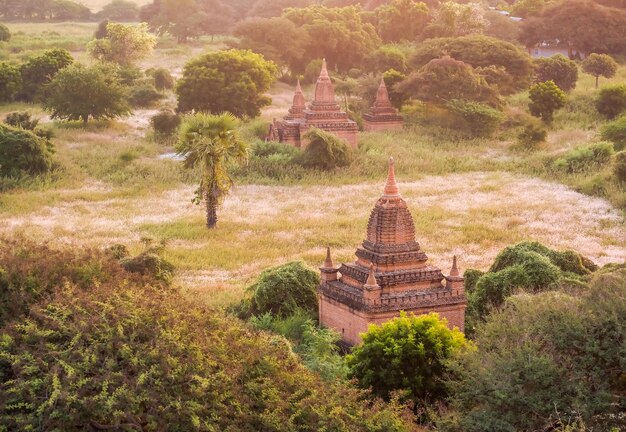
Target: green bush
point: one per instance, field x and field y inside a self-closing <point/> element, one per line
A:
<point x="585" y="159"/>
<point x="619" y="168"/>
<point x="149" y="264"/>
<point x="526" y="266"/>
<point x="558" y="68"/>
<point x="532" y="134"/>
<point x="324" y="151"/>
<point x="611" y="100"/>
<point x="163" y="79"/>
<point x="39" y="70"/>
<point x="10" y="81"/>
<point x="542" y="356"/>
<point x="21" y="120"/>
<point x="165" y="123"/>
<point x="270" y="148"/>
<point x="615" y="132"/>
<point x="406" y="354"/>
<point x="312" y="71"/>
<point x="545" y="98"/>
<point x="145" y="95"/>
<point x="471" y="277"/>
<point x="478" y="119"/>
<point x="127" y="354"/>
<point x="5" y="33"/>
<point x="23" y="152"/>
<point x="284" y="290"/>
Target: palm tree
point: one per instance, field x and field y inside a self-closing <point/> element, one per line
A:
<point x="210" y="143"/>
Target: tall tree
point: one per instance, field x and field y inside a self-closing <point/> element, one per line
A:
<point x="401" y="20"/>
<point x="123" y="44"/>
<point x="209" y="143"/>
<point x="232" y="80"/>
<point x="39" y="70"/>
<point x="455" y="19"/>
<point x="599" y="65"/>
<point x="580" y="25"/>
<point x="558" y="68"/>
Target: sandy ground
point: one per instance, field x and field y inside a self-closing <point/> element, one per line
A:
<point x="470" y="215"/>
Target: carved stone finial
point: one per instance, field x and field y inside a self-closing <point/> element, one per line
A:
<point x="328" y="263"/>
<point x="454" y="271"/>
<point x="391" y="188"/>
<point x="371" y="278"/>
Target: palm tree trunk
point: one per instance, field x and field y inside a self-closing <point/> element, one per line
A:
<point x="211" y="208"/>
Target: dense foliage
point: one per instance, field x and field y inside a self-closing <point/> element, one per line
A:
<point x="123" y="44"/>
<point x="545" y="98"/>
<point x="283" y="291"/>
<point x="406" y="354"/>
<point x="39" y="70"/>
<point x="611" y="100"/>
<point x="23" y="153"/>
<point x="546" y="361"/>
<point x="104" y="350"/>
<point x="231" y="80"/>
<point x="78" y="92"/>
<point x="615" y="132"/>
<point x="10" y="81"/>
<point x="325" y="151"/>
<point x="599" y="65"/>
<point x="559" y="69"/>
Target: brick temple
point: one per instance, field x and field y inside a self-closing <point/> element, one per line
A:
<point x="382" y="115"/>
<point x="391" y="274"/>
<point x="323" y="113"/>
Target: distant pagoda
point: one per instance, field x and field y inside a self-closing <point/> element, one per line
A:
<point x="390" y="275"/>
<point x="382" y="115"/>
<point x="323" y="113"/>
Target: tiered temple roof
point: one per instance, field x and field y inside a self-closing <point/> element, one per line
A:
<point x="391" y="273"/>
<point x="323" y="113"/>
<point x="382" y="115"/>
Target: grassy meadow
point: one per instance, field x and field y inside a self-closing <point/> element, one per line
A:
<point x="469" y="197"/>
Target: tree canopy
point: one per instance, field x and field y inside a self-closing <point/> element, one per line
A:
<point x="400" y="20"/>
<point x="80" y="93"/>
<point x="40" y="69"/>
<point x="232" y="80"/>
<point x="123" y="44"/>
<point x="23" y="152"/>
<point x="558" y="68"/>
<point x="599" y="65"/>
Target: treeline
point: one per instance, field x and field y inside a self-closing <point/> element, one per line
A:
<point x="65" y="10"/>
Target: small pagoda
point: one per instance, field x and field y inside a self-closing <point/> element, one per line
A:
<point x="391" y="274"/>
<point x="323" y="113"/>
<point x="382" y="115"/>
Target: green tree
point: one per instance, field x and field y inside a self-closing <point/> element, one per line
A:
<point x="324" y="151"/>
<point x="581" y="25"/>
<point x="527" y="8"/>
<point x="274" y="8"/>
<point x="481" y="52"/>
<point x="40" y="69"/>
<point x="615" y="132"/>
<point x="120" y="10"/>
<point x="338" y="34"/>
<point x="545" y="98"/>
<point x="232" y="80"/>
<point x="400" y="20"/>
<point x="123" y="44"/>
<point x="444" y="79"/>
<point x="407" y="353"/>
<point x="23" y="152"/>
<point x="559" y="69"/>
<point x="392" y="79"/>
<point x="10" y="81"/>
<point x="209" y="143"/>
<point x="388" y="57"/>
<point x="619" y="168"/>
<point x="5" y="33"/>
<point x="456" y="19"/>
<point x="611" y="100"/>
<point x="21" y="120"/>
<point x="277" y="39"/>
<point x="599" y="65"/>
<point x="545" y="355"/>
<point x="80" y="93"/>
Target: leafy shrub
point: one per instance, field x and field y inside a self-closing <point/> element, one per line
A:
<point x="325" y="151"/>
<point x="407" y="353"/>
<point x="23" y="152"/>
<point x="615" y="132"/>
<point x="144" y="96"/>
<point x="149" y="264"/>
<point x="21" y="120"/>
<point x="584" y="159"/>
<point x="539" y="343"/>
<point x="478" y="119"/>
<point x="165" y="123"/>
<point x="526" y="266"/>
<point x="284" y="290"/>
<point x="558" y="68"/>
<point x="620" y="166"/>
<point x="130" y="355"/>
<point x="611" y="100"/>
<point x="270" y="148"/>
<point x="471" y="277"/>
<point x="312" y="71"/>
<point x="254" y="130"/>
<point x="163" y="79"/>
<point x="39" y="70"/>
<point x="10" y="81"/>
<point x="5" y="33"/>
<point x="532" y="134"/>
<point x="545" y="98"/>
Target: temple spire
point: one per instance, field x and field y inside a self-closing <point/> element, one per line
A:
<point x="324" y="90"/>
<point x="391" y="188"/>
<point x="382" y="95"/>
<point x="454" y="271"/>
<point x="324" y="71"/>
<point x="328" y="263"/>
<point x="371" y="278"/>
